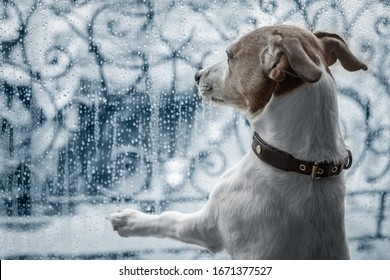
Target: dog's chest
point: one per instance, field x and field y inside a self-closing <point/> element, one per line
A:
<point x="262" y="209"/>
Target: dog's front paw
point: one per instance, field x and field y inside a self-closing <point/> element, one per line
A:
<point x="129" y="222"/>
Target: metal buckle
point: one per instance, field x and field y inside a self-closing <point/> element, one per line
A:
<point x="316" y="171"/>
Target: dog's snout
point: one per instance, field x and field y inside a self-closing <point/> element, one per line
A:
<point x="197" y="77"/>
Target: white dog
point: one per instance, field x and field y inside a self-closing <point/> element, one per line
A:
<point x="284" y="199"/>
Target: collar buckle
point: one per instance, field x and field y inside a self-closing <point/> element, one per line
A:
<point x="316" y="171"/>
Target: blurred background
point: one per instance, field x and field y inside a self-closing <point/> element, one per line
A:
<point x="99" y="112"/>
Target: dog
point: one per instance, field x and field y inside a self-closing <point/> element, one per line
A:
<point x="285" y="198"/>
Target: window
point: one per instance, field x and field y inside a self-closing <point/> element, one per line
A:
<point x="99" y="112"/>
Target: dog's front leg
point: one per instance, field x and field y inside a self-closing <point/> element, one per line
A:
<point x="194" y="228"/>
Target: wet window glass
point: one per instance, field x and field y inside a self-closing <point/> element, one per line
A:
<point x="99" y="112"/>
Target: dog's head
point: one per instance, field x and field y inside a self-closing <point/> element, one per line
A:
<point x="272" y="60"/>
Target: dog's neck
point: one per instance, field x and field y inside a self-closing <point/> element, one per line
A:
<point x="304" y="122"/>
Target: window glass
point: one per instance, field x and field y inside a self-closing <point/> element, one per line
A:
<point x="99" y="112"/>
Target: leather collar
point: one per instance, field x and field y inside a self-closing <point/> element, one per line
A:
<point x="287" y="162"/>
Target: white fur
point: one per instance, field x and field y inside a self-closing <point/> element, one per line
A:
<point x="257" y="211"/>
<point x="305" y="123"/>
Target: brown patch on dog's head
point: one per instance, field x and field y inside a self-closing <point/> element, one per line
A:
<point x="273" y="60"/>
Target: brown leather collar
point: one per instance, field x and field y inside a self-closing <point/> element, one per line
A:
<point x="287" y="162"/>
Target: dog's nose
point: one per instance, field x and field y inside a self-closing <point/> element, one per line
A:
<point x="197" y="77"/>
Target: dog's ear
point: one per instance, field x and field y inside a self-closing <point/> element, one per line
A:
<point x="299" y="61"/>
<point x="278" y="72"/>
<point x="292" y="59"/>
<point x="334" y="48"/>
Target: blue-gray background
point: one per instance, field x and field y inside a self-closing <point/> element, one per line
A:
<point x="98" y="112"/>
